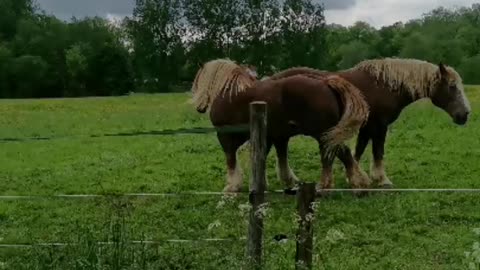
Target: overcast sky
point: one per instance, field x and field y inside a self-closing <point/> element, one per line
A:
<point x="345" y="12"/>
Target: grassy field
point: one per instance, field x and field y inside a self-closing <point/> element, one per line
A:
<point x="383" y="231"/>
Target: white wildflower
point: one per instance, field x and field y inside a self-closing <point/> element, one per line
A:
<point x="244" y="208"/>
<point x="333" y="236"/>
<point x="220" y="204"/>
<point x="315" y="206"/>
<point x="309" y="217"/>
<point x="214" y="224"/>
<point x="262" y="210"/>
<point x="296" y="218"/>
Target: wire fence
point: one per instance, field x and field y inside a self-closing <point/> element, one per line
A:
<point x="134" y="242"/>
<point x="213" y="193"/>
<point x="255" y="230"/>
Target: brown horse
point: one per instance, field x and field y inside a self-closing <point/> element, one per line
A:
<point x="389" y="85"/>
<point x="329" y="109"/>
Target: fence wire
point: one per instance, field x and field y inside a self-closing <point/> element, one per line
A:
<point x="137" y="242"/>
<point x="213" y="193"/>
<point x="170" y="132"/>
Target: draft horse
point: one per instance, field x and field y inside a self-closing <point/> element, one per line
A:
<point x="389" y="85"/>
<point x="328" y="109"/>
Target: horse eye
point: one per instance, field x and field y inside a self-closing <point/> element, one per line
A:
<point x="452" y="88"/>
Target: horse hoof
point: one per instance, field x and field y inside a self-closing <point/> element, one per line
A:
<point x="290" y="191"/>
<point x="360" y="193"/>
<point x="322" y="193"/>
<point x="280" y="238"/>
<point x="232" y="191"/>
<point x="387" y="186"/>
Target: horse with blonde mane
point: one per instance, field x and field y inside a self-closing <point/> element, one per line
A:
<point x="328" y="109"/>
<point x="390" y="85"/>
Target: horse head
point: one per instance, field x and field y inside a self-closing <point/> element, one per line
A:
<point x="449" y="95"/>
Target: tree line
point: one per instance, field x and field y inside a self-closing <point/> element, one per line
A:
<point x="161" y="45"/>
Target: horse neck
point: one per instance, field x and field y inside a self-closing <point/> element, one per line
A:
<point x="405" y="98"/>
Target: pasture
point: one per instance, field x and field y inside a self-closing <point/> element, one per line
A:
<point x="383" y="231"/>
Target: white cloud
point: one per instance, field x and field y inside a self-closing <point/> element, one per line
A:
<point x="386" y="12"/>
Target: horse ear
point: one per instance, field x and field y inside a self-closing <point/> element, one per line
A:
<point x="443" y="70"/>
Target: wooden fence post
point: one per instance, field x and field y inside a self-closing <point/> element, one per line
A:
<point x="305" y="200"/>
<point x="258" y="141"/>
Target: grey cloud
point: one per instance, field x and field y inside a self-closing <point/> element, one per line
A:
<point x="80" y="8"/>
<point x="65" y="9"/>
<point x="337" y="4"/>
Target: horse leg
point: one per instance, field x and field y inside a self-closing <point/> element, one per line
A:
<point x="355" y="175"/>
<point x="378" y="150"/>
<point x="230" y="144"/>
<point x="362" y="142"/>
<point x="284" y="172"/>
<point x="326" y="180"/>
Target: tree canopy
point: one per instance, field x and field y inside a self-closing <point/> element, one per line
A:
<point x="161" y="45"/>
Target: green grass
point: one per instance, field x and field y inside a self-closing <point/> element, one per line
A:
<point x="383" y="231"/>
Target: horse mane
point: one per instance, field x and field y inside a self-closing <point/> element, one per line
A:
<point x="217" y="76"/>
<point x="418" y="78"/>
<point x="355" y="114"/>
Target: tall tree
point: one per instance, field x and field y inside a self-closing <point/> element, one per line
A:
<point x="156" y="32"/>
<point x="216" y="27"/>
<point x="470" y="69"/>
<point x="261" y="21"/>
<point x="303" y="31"/>
<point x="5" y="62"/>
<point x="10" y="12"/>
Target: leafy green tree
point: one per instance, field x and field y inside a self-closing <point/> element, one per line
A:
<point x="215" y="20"/>
<point x="386" y="47"/>
<point x="350" y="45"/>
<point x="470" y="69"/>
<point x="10" y="12"/>
<point x="99" y="48"/>
<point x="5" y="62"/>
<point x="418" y="46"/>
<point x="165" y="41"/>
<point x="303" y="34"/>
<point x="354" y="52"/>
<point x="261" y="19"/>
<point x="44" y="36"/>
<point x="77" y="68"/>
<point x="28" y="75"/>
<point x="111" y="72"/>
<point x="156" y="33"/>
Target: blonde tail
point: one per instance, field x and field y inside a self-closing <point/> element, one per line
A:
<point x="355" y="114"/>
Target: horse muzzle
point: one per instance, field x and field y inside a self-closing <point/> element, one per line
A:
<point x="201" y="110"/>
<point x="461" y="119"/>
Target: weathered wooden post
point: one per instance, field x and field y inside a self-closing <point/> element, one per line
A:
<point x="258" y="141"/>
<point x="305" y="200"/>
